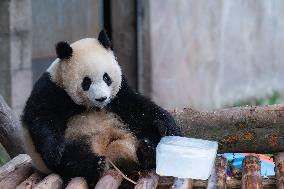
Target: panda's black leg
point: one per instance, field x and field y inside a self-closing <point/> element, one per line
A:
<point x="146" y="153"/>
<point x="79" y="160"/>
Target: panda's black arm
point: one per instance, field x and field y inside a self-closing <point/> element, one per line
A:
<point x="145" y="118"/>
<point x="48" y="140"/>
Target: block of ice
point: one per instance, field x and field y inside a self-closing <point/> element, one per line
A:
<point x="185" y="157"/>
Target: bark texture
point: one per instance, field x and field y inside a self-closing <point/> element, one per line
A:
<point x="279" y="169"/>
<point x="218" y="178"/>
<point x="257" y="129"/>
<point x="10" y="130"/>
<point x="251" y="178"/>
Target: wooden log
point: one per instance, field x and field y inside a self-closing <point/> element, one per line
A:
<point x="31" y="182"/>
<point x="251" y="177"/>
<point x="279" y="169"/>
<point x="232" y="183"/>
<point x="148" y="180"/>
<point x="52" y="181"/>
<point x="77" y="183"/>
<point x="218" y="176"/>
<point x="179" y="183"/>
<point x="14" y="178"/>
<point x="10" y="130"/>
<point x="111" y="180"/>
<point x="13" y="164"/>
<point x="257" y="129"/>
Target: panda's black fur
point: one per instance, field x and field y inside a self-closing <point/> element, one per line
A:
<point x="49" y="108"/>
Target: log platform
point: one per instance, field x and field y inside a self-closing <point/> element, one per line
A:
<point x="258" y="129"/>
<point x="18" y="173"/>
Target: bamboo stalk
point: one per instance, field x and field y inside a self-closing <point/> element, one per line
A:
<point x="218" y="176"/>
<point x="279" y="169"/>
<point x="251" y="178"/>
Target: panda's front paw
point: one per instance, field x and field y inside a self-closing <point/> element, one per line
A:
<point x="101" y="164"/>
<point x="167" y="129"/>
<point x="146" y="154"/>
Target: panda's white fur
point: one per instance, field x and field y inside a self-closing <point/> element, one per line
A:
<point x="31" y="151"/>
<point x="90" y="59"/>
<point x="107" y="135"/>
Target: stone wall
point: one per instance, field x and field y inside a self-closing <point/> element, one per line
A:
<point x="29" y="30"/>
<point x="15" y="52"/>
<point x="208" y="54"/>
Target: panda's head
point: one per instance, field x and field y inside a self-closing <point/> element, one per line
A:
<point x="87" y="70"/>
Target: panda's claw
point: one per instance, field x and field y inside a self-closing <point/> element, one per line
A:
<point x="101" y="164"/>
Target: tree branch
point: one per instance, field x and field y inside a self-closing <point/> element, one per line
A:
<point x="10" y="130"/>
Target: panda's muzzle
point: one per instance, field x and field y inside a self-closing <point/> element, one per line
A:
<point x="101" y="99"/>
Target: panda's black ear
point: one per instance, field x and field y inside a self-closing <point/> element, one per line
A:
<point x="63" y="50"/>
<point x="104" y="40"/>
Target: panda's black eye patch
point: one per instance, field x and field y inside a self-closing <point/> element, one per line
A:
<point x="107" y="79"/>
<point x="86" y="83"/>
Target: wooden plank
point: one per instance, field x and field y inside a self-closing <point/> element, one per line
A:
<point x="251" y="177"/>
<point x="77" y="183"/>
<point x="148" y="180"/>
<point x="18" y="175"/>
<point x="218" y="176"/>
<point x="111" y="180"/>
<point x="279" y="169"/>
<point x="185" y="183"/>
<point x="52" y="181"/>
<point x="31" y="182"/>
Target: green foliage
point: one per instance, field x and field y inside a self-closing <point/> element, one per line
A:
<point x="4" y="157"/>
<point x="275" y="98"/>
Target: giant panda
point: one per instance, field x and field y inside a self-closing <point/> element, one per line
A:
<point x="82" y="112"/>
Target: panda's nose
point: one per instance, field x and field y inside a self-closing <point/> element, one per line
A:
<point x="101" y="99"/>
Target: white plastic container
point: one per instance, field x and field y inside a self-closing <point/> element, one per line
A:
<point x="185" y="157"/>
